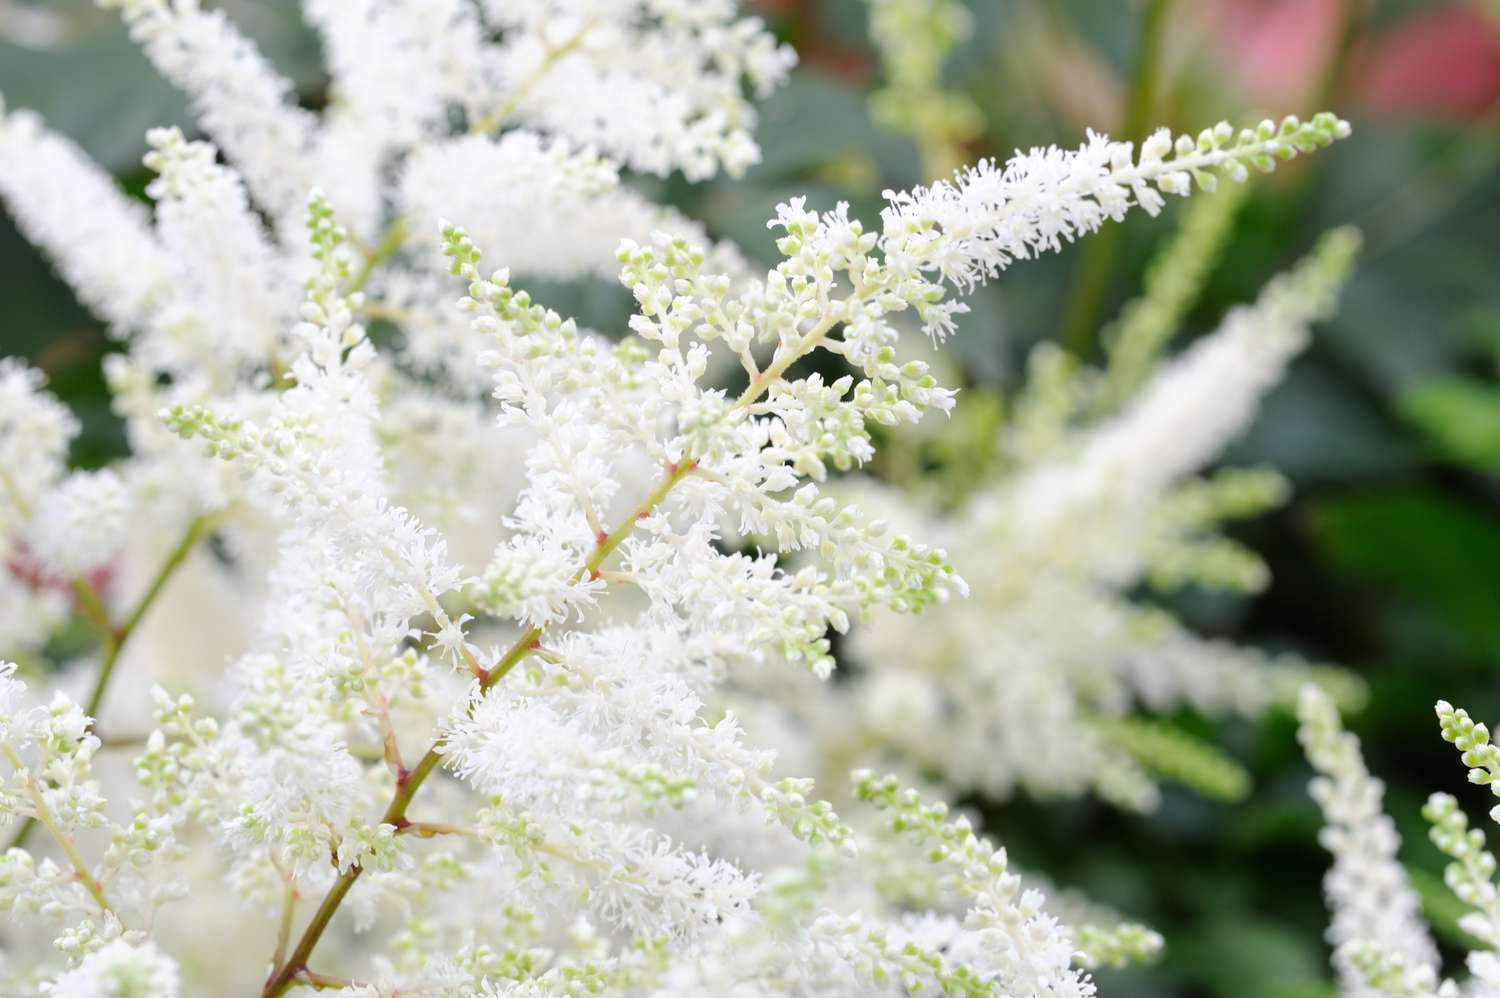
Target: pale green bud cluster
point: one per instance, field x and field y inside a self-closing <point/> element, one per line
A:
<point x="1260" y="147"/>
<point x="927" y="825"/>
<point x="1178" y="756"/>
<point x="792" y="802"/>
<point x="1182" y="547"/>
<point x="1472" y="739"/>
<point x="221" y="434"/>
<point x="1118" y="945"/>
<point x="1471" y="876"/>
<point x="1391" y="975"/>
<point x="914" y="39"/>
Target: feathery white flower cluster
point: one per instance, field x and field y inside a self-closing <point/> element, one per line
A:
<point x="495" y="601"/>
<point x="1383" y="948"/>
<point x="1066" y="534"/>
<point x="1372" y="902"/>
<point x="55" y="527"/>
<point x="989" y="216"/>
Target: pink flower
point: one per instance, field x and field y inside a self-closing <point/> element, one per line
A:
<point x="1443" y="61"/>
<point x="1274" y="50"/>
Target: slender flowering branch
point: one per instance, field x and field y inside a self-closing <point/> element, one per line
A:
<point x="390" y="242"/>
<point x="286" y="974"/>
<point x="60" y="836"/>
<point x="115" y="638"/>
<point x="200" y="527"/>
<point x="554" y="55"/>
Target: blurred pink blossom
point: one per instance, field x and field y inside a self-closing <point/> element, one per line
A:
<point x="1275" y="50"/>
<point x="1442" y="61"/>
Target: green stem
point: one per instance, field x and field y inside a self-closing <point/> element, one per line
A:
<point x="497" y="117"/>
<point x="780" y="363"/>
<point x="432" y="829"/>
<point x="114" y="638"/>
<point x="69" y="847"/>
<point x="1096" y="265"/>
<point x="93" y="609"/>
<point x="390" y="241"/>
<point x="325" y="982"/>
<point x="196" y="531"/>
<point x="284" y="924"/>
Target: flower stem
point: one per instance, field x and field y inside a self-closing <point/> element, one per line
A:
<point x="554" y="55"/>
<point x="69" y="847"/>
<point x="93" y="609"/>
<point x="325" y="982"/>
<point x="432" y="829"/>
<point x="196" y="531"/>
<point x="390" y="242"/>
<point x="780" y="363"/>
<point x="284" y="925"/>
<point x="1096" y="265"/>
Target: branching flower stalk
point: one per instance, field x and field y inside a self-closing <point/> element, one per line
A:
<point x="295" y="966"/>
<point x="649" y="561"/>
<point x="114" y="638"/>
<point x="1382" y="950"/>
<point x="1092" y="497"/>
<point x="799" y="226"/>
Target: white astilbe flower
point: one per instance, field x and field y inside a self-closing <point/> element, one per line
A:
<point x="231" y="297"/>
<point x="458" y="489"/>
<point x="492" y="622"/>
<point x="119" y="970"/>
<point x="298" y="799"/>
<point x="1382" y="946"/>
<point x="631" y="878"/>
<point x="29" y="612"/>
<point x="81" y="524"/>
<point x="1188" y="413"/>
<point x="1367" y="889"/>
<point x="49" y="752"/>
<point x="1379" y="971"/>
<point x="988" y="216"/>
<point x="244" y="104"/>
<point x="658" y="84"/>
<point x="535" y="582"/>
<point x="13" y="722"/>
<point x="399" y="65"/>
<point x="1004" y="918"/>
<point x="35" y="430"/>
<point x="99" y="240"/>
<point x="1066" y="538"/>
<point x="542" y="179"/>
<point x="212" y="293"/>
<point x="586" y="208"/>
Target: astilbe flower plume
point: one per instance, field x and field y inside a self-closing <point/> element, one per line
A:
<point x="450" y="705"/>
<point x="1383" y="949"/>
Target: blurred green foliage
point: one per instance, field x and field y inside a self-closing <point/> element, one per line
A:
<point x="1388" y="558"/>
